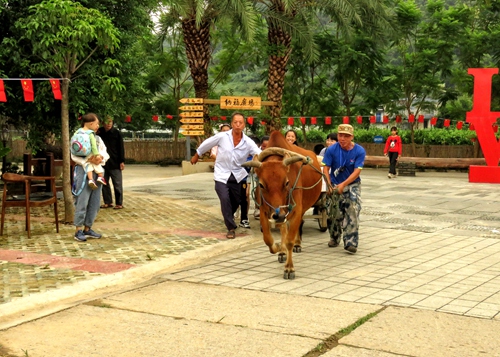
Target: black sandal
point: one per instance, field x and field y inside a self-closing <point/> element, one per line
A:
<point x="231" y="234"/>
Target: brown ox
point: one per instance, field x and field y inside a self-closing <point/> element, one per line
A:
<point x="289" y="184"/>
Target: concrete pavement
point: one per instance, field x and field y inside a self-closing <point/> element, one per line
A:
<point x="165" y="281"/>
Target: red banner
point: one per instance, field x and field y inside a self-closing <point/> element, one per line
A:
<point x="385" y="119"/>
<point x="398" y="118"/>
<point x="56" y="89"/>
<point x="303" y="120"/>
<point x="411" y="118"/>
<point x="313" y="120"/>
<point x="29" y="95"/>
<point x="128" y="119"/>
<point x="290" y="121"/>
<point x="420" y="118"/>
<point x="359" y="118"/>
<point x="155" y="117"/>
<point x="372" y="119"/>
<point x="345" y="120"/>
<point x="3" y="96"/>
<point x="460" y="124"/>
<point x="447" y="122"/>
<point x="328" y="120"/>
<point x="434" y="120"/>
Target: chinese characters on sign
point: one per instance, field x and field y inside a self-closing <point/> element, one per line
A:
<point x="240" y="102"/>
<point x="192" y="115"/>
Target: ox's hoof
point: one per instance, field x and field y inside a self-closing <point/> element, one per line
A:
<point x="289" y="275"/>
<point x="281" y="257"/>
<point x="297" y="249"/>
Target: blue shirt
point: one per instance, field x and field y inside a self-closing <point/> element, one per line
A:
<point x="345" y="161"/>
<point x="229" y="158"/>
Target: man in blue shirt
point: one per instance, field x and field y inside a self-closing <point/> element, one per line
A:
<point x="346" y="160"/>
<point x="233" y="149"/>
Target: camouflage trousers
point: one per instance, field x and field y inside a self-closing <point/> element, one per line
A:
<point x="343" y="215"/>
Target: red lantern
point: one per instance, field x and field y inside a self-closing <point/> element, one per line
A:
<point x="170" y="116"/>
<point x="223" y="118"/>
<point x="372" y="119"/>
<point x="345" y="120"/>
<point x="471" y="127"/>
<point x="386" y="119"/>
<point x="398" y="119"/>
<point x="459" y="125"/>
<point x="128" y="119"/>
<point x="328" y="120"/>
<point x="447" y="122"/>
<point x="250" y="120"/>
<point x="313" y="120"/>
<point x="155" y="117"/>
<point x="214" y="118"/>
<point x="303" y="120"/>
<point x="420" y="118"/>
<point x="290" y="120"/>
<point x="263" y="122"/>
<point x="411" y="118"/>
<point x="359" y="118"/>
<point x="495" y="128"/>
<point x="434" y="120"/>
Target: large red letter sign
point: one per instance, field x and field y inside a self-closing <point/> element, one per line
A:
<point x="483" y="120"/>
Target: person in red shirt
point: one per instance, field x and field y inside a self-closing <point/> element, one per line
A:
<point x="393" y="149"/>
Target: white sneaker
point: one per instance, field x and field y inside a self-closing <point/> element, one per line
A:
<point x="245" y="224"/>
<point x="389" y="175"/>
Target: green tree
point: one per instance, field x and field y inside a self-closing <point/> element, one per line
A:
<point x="64" y="35"/>
<point x="196" y="18"/>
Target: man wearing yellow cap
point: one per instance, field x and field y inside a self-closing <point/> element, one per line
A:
<point x="346" y="160"/>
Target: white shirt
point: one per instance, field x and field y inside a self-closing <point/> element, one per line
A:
<point x="229" y="158"/>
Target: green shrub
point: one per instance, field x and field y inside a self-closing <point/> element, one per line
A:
<point x="445" y="136"/>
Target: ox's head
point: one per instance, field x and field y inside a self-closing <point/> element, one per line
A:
<point x="273" y="167"/>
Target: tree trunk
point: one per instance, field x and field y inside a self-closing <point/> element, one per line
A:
<point x="279" y="46"/>
<point x="69" y="208"/>
<point x="198" y="52"/>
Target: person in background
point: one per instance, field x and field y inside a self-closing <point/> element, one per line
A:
<point x="222" y="127"/>
<point x="346" y="160"/>
<point x="234" y="148"/>
<point x="291" y="137"/>
<point x="86" y="198"/>
<point x="393" y="149"/>
<point x="113" y="140"/>
<point x="264" y="143"/>
<point x="330" y="140"/>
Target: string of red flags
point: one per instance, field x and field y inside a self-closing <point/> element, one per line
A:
<point x="28" y="89"/>
<point x="359" y="119"/>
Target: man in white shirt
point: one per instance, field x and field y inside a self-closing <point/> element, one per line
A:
<point x="233" y="149"/>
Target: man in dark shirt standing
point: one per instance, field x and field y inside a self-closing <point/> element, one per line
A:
<point x="114" y="166"/>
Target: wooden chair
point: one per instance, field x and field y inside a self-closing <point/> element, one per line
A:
<point x="29" y="198"/>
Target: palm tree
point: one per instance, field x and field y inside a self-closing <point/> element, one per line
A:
<point x="197" y="17"/>
<point x="289" y="19"/>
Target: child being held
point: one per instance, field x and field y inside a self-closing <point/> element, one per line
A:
<point x="84" y="144"/>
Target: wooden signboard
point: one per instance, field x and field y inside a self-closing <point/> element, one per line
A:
<point x="191" y="121"/>
<point x="191" y="114"/>
<point x="191" y="100"/>
<point x="227" y="102"/>
<point x="191" y="127"/>
<point x="193" y="133"/>
<point x="191" y="107"/>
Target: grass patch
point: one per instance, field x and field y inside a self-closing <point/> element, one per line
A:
<point x="98" y="303"/>
<point x="333" y="341"/>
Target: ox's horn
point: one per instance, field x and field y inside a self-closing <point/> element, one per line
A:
<point x="294" y="159"/>
<point x="253" y="163"/>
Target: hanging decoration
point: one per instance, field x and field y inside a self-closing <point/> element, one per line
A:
<point x="128" y="119"/>
<point x="398" y="119"/>
<point x="460" y="124"/>
<point x="250" y="120"/>
<point x="56" y="89"/>
<point x="495" y="128"/>
<point x="372" y="119"/>
<point x="170" y="116"/>
<point x="411" y="118"/>
<point x="213" y="118"/>
<point x="328" y="120"/>
<point x="434" y="120"/>
<point x="3" y="96"/>
<point x="359" y="118"/>
<point x="471" y="126"/>
<point x="420" y="118"/>
<point x="313" y="120"/>
<point x="223" y="118"/>
<point x="385" y="119"/>
<point x="447" y="122"/>
<point x="303" y="120"/>
<point x="155" y="117"/>
<point x="290" y="121"/>
<point x="345" y="120"/>
<point x="29" y="94"/>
